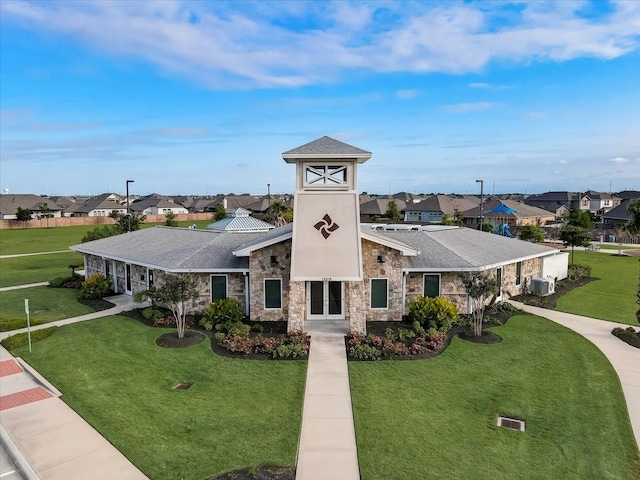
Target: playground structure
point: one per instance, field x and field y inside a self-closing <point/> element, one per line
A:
<point x="502" y="229"/>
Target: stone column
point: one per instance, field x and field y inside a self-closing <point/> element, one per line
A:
<point x="357" y="306"/>
<point x="297" y="306"/>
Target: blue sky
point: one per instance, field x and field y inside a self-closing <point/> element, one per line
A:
<point x="203" y="97"/>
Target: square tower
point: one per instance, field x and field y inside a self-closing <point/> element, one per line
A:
<point x="326" y="242"/>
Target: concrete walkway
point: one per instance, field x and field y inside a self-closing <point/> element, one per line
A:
<point x="14" y="255"/>
<point x="122" y="303"/>
<point x="327" y="445"/>
<point x="43" y="436"/>
<point x="20" y="287"/>
<point x="624" y="358"/>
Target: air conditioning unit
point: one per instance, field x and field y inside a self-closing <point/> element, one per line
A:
<point x="542" y="286"/>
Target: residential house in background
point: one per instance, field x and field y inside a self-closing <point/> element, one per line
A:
<point x="376" y="208"/>
<point x="101" y="206"/>
<point x="38" y="205"/>
<point x="435" y="207"/>
<point x="326" y="265"/>
<point x="600" y="203"/>
<point x="156" y="204"/>
<point x="522" y="214"/>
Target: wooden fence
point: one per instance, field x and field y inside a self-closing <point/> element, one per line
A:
<point x="75" y="221"/>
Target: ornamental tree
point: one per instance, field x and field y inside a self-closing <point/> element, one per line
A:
<point x="480" y="286"/>
<point x="573" y="235"/>
<point x="176" y="291"/>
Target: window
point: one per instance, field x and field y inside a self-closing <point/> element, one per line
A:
<point x="431" y="285"/>
<point x="379" y="293"/>
<point x="518" y="273"/>
<point x="326" y="175"/>
<point x="218" y="287"/>
<point x="273" y="293"/>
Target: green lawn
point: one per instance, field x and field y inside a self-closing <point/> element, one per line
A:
<point x="437" y="418"/>
<point x="613" y="296"/>
<point x="237" y="413"/>
<point x="34" y="240"/>
<point x="37" y="268"/>
<point x="45" y="304"/>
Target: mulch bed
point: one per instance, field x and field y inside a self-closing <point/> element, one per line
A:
<point x="97" y="304"/>
<point x="263" y="472"/>
<point x="549" y="301"/>
<point x="486" y="337"/>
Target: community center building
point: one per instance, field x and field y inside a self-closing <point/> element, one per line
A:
<point x="325" y="265"/>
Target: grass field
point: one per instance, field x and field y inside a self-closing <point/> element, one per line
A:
<point x="437" y="418"/>
<point x="34" y="240"/>
<point x="613" y="296"/>
<point x="37" y="268"/>
<point x="45" y="304"/>
<point x="237" y="413"/>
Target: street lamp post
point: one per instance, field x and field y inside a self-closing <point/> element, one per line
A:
<point x="481" y="182"/>
<point x="128" y="208"/>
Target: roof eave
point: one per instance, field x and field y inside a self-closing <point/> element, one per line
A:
<point x="294" y="157"/>
<point x="245" y="252"/>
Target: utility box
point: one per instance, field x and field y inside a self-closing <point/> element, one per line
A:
<point x="542" y="286"/>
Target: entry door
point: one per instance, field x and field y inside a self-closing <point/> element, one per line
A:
<point x="325" y="300"/>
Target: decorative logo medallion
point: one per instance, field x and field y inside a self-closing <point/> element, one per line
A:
<point x="326" y="226"/>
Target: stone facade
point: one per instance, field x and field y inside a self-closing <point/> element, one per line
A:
<point x="379" y="261"/>
<point x="272" y="262"/>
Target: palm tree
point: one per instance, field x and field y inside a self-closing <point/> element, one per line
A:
<point x="276" y="213"/>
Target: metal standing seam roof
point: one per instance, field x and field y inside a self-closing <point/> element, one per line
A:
<point x="240" y="223"/>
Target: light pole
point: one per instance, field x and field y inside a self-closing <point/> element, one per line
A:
<point x="481" y="182"/>
<point x="128" y="209"/>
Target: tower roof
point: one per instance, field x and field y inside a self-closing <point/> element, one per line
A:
<point x="327" y="148"/>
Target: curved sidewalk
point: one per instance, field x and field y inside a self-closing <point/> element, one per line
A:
<point x="624" y="358"/>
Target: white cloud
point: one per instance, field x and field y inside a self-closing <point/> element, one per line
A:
<point x="619" y="160"/>
<point x="469" y="107"/>
<point x="535" y="115"/>
<point x="562" y="161"/>
<point x="240" y="44"/>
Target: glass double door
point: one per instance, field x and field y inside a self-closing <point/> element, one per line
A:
<point x="325" y="300"/>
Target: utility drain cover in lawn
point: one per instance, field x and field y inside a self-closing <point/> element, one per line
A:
<point x="182" y="386"/>
<point x="512" y="423"/>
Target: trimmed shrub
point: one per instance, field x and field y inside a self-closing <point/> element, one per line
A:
<point x="433" y="314"/>
<point x="223" y="315"/>
<point x="72" y="281"/>
<point x="96" y="286"/>
<point x="578" y="272"/>
<point x="8" y="324"/>
<point x="365" y="352"/>
<point x="21" y="339"/>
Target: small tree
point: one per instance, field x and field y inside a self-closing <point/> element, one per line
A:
<point x="126" y="222"/>
<point x="175" y="292"/>
<point x="170" y="220"/>
<point x="447" y="220"/>
<point x="46" y="212"/>
<point x="580" y="218"/>
<point x="480" y="287"/>
<point x="633" y="209"/>
<point x="573" y="235"/>
<point x="487" y="227"/>
<point x="219" y="213"/>
<point x="531" y="233"/>
<point x="393" y="212"/>
<point x="24" y="215"/>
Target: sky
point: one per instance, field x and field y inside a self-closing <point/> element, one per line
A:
<point x="200" y="98"/>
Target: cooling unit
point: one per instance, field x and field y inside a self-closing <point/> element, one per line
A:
<point x="542" y="286"/>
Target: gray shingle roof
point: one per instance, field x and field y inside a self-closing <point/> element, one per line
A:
<point x="459" y="249"/>
<point x="174" y="249"/>
<point x="326" y="147"/>
<point x="239" y="220"/>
